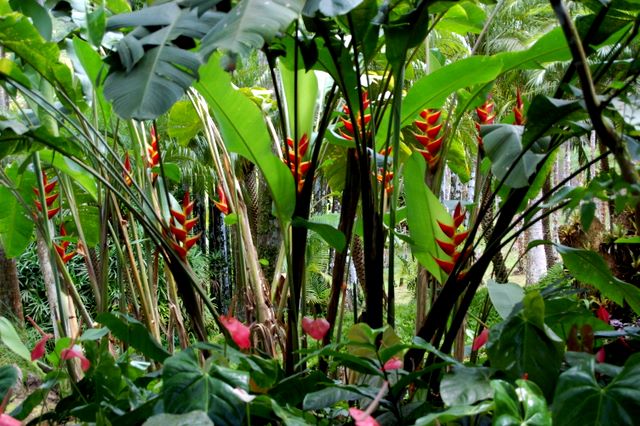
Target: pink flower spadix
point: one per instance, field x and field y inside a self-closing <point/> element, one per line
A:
<point x="7" y="420"/>
<point x="481" y="340"/>
<point x="316" y="328"/>
<point x="393" y="363"/>
<point x="362" y="418"/>
<point x="240" y="333"/>
<point x="75" y="351"/>
<point x="39" y="349"/>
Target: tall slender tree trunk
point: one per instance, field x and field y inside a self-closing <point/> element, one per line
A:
<point x="536" y="261"/>
<point x="10" y="302"/>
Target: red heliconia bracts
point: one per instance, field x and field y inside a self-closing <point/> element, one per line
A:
<point x="348" y="128"/>
<point x="153" y="155"/>
<point x="62" y="248"/>
<point x="294" y="158"/>
<point x="429" y="137"/>
<point x="49" y="195"/>
<point x="222" y="203"/>
<point x="181" y="225"/>
<point x="126" y="173"/>
<point x="387" y="181"/>
<point x="454" y="239"/>
<point x="485" y="116"/>
<point x="518" y="110"/>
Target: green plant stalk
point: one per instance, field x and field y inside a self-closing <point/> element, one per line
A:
<point x="70" y="285"/>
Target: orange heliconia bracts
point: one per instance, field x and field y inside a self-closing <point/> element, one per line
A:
<point x="348" y="129"/>
<point x="181" y="225"/>
<point x="454" y="240"/>
<point x="49" y="195"/>
<point x="294" y="158"/>
<point x="518" y="110"/>
<point x="485" y="116"/>
<point x="222" y="203"/>
<point x="62" y="248"/>
<point x="429" y="136"/>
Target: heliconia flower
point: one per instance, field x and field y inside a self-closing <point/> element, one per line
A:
<point x="446" y="265"/>
<point x="316" y="328"/>
<point x="7" y="420"/>
<point x="62" y="248"/>
<point x="388" y="179"/>
<point x="448" y="230"/>
<point x="240" y="333"/>
<point x="458" y="238"/>
<point x="518" y="110"/>
<point x="126" y="173"/>
<point x="182" y="241"/>
<point x="603" y="314"/>
<point x="393" y="363"/>
<point x="601" y="355"/>
<point x="50" y="196"/>
<point x="347" y="131"/>
<point x="458" y="215"/>
<point x="153" y="155"/>
<point x="75" y="351"/>
<point x="298" y="167"/>
<point x="448" y="248"/>
<point x="39" y="349"/>
<point x="222" y="204"/>
<point x="481" y="340"/>
<point x="485" y="116"/>
<point x="362" y="418"/>
<point x="429" y="139"/>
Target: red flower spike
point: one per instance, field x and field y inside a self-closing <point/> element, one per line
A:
<point x="481" y="340"/>
<point x="75" y="352"/>
<point x="190" y="223"/>
<point x="178" y="215"/>
<point x="601" y="355"/>
<point x="222" y="204"/>
<point x="240" y="333"/>
<point x="182" y="252"/>
<point x="448" y="248"/>
<point x="458" y="216"/>
<point x="61" y="250"/>
<point x="52" y="212"/>
<point x="448" y="230"/>
<point x="518" y="110"/>
<point x="431" y="115"/>
<point x="435" y="145"/>
<point x="179" y="233"/>
<point x="460" y="237"/>
<point x="39" y="349"/>
<point x="316" y="328"/>
<point x="190" y="241"/>
<point x="446" y="265"/>
<point x="126" y="174"/>
<point x="303" y="144"/>
<point x="422" y="125"/>
<point x="433" y="131"/>
<point x="67" y="257"/>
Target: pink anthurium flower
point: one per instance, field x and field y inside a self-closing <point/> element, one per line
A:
<point x="7" y="420"/>
<point x="481" y="340"/>
<point x="39" y="349"/>
<point x="393" y="363"/>
<point x="75" y="351"/>
<point x="362" y="418"/>
<point x="240" y="333"/>
<point x="603" y="314"/>
<point x="316" y="328"/>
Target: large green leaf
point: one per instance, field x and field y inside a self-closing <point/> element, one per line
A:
<point x="92" y="64"/>
<point x="504" y="296"/>
<point x="523" y="344"/>
<point x="71" y="169"/>
<point x="588" y="267"/>
<point x="188" y="386"/>
<point x="423" y="211"/>
<point x="245" y="133"/>
<point x="150" y="72"/>
<point x="466" y="385"/>
<point x="465" y="17"/>
<point x="250" y="24"/>
<point x="8" y="378"/>
<point x="581" y="400"/>
<point x="453" y="413"/>
<point x="183" y="124"/>
<point x="194" y="418"/>
<point x="18" y="34"/>
<point x="16" y="225"/>
<point x="563" y="313"/>
<point x="330" y="8"/>
<point x="134" y="333"/>
<point x="502" y="143"/>
<point x="332" y="236"/>
<point x="550" y="47"/>
<point x="524" y="405"/>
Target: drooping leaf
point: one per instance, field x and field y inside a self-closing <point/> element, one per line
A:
<point x="504" y="296"/>
<point x="187" y="386"/>
<point x="71" y="169"/>
<point x="250" y="24"/>
<point x="11" y="340"/>
<point x="424" y="210"/>
<point x="8" y="378"/>
<point x="92" y="64"/>
<point x="524" y="344"/>
<point x="580" y="399"/>
<point x="551" y="47"/>
<point x="588" y="267"/>
<point x="38" y="14"/>
<point x="245" y="133"/>
<point x="330" y="8"/>
<point x="453" y="413"/>
<point x="193" y="418"/>
<point x="134" y="333"/>
<point x="331" y="395"/>
<point x="462" y="18"/>
<point x="502" y="143"/>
